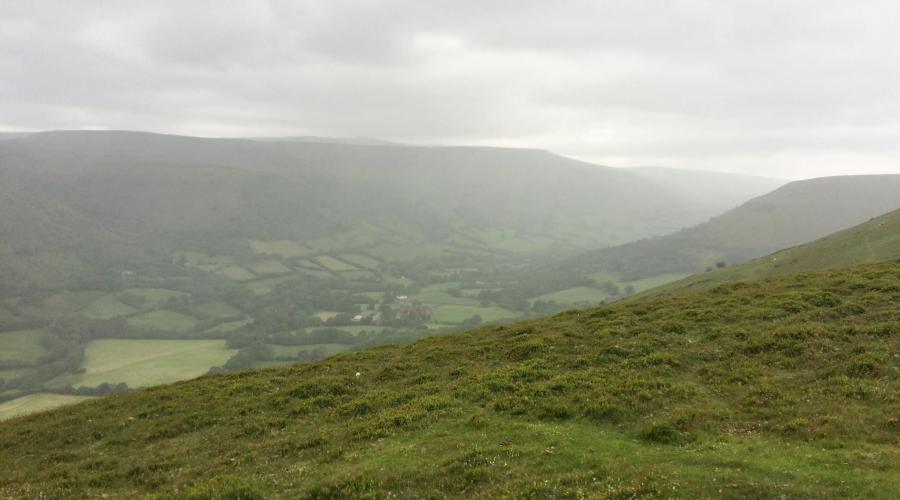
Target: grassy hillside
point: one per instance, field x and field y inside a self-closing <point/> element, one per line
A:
<point x="872" y="241"/>
<point x="786" y="387"/>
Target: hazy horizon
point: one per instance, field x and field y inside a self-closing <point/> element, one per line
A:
<point x="789" y="90"/>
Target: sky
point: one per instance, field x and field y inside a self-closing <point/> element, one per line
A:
<point x="790" y="89"/>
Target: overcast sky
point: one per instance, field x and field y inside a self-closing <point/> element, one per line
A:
<point x="781" y="88"/>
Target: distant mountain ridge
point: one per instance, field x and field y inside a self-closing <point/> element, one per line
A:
<point x="793" y="214"/>
<point x="161" y="192"/>
<point x="873" y="241"/>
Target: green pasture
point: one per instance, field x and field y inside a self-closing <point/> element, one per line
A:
<point x="444" y="298"/>
<point x="163" y="319"/>
<point x="451" y="314"/>
<point x="34" y="403"/>
<point x="268" y="266"/>
<point x="24" y="345"/>
<point x="107" y="307"/>
<point x="360" y="260"/>
<point x="142" y="363"/>
<point x="236" y="273"/>
<point x="332" y="264"/>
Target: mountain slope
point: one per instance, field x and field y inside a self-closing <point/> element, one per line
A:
<point x="796" y="213"/>
<point x="166" y="193"/>
<point x="782" y="387"/>
<point x="873" y="241"/>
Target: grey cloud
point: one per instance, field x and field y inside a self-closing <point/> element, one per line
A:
<point x="793" y="88"/>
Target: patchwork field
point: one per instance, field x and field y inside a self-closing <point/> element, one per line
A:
<point x="142" y="363"/>
<point x="34" y="403"/>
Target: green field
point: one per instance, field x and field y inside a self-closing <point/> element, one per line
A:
<point x="142" y="363"/>
<point x="162" y="319"/>
<point x="438" y="297"/>
<point x="37" y="402"/>
<point x="270" y="266"/>
<point x="152" y="297"/>
<point x="107" y="307"/>
<point x="326" y="315"/>
<point x="236" y="273"/>
<point x="332" y="264"/>
<point x="360" y="260"/>
<point x="449" y="313"/>
<point x="24" y="345"/>
<point x="579" y="294"/>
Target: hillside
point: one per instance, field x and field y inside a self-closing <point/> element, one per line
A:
<point x="793" y="214"/>
<point x="788" y="386"/>
<point x="872" y="241"/>
<point x="170" y="193"/>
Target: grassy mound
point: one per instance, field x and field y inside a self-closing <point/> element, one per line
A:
<point x="787" y="386"/>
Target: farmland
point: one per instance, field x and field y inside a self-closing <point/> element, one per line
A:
<point x="142" y="363"/>
<point x="37" y="402"/>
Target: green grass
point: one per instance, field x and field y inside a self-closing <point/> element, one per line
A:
<point x="37" y="402"/>
<point x="163" y="320"/>
<point x="450" y="313"/>
<point x="872" y="241"/>
<point x="360" y="260"/>
<point x="236" y="273"/>
<point x="264" y="267"/>
<point x="153" y="297"/>
<point x="22" y="345"/>
<point x="326" y="315"/>
<point x="107" y="307"/>
<point x="332" y="264"/>
<point x="787" y="387"/>
<point x="579" y="294"/>
<point x="142" y="363"/>
<point x="293" y="350"/>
